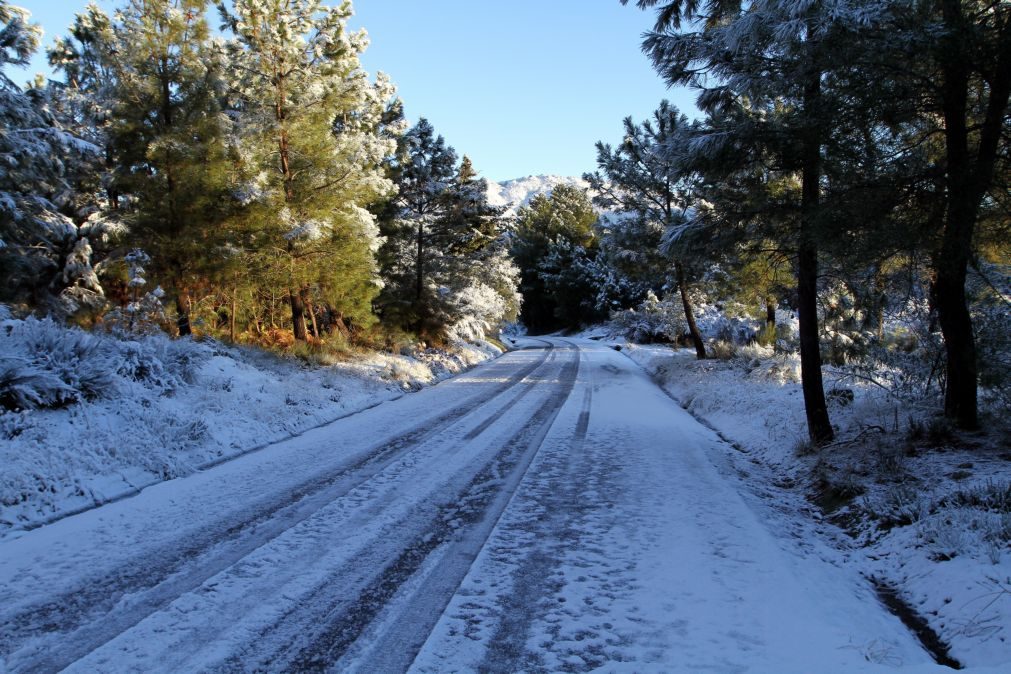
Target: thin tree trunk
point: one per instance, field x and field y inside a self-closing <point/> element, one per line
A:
<point x="312" y="312"/>
<point x="182" y="297"/>
<point x="295" y="295"/>
<point x="819" y="427"/>
<point x="419" y="281"/>
<point x="419" y="270"/>
<point x="112" y="194"/>
<point x="420" y="265"/>
<point x="340" y="326"/>
<point x="693" y="328"/>
<point x="183" y="306"/>
<point x="231" y="318"/>
<point x="874" y="313"/>
<point x="769" y="336"/>
<point x="258" y="316"/>
<point x="298" y="315"/>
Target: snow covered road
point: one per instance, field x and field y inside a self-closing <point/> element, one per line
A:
<point x="550" y="511"/>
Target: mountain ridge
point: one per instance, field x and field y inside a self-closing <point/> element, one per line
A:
<point x="515" y="193"/>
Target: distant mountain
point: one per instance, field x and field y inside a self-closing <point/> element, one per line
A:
<point x="512" y="194"/>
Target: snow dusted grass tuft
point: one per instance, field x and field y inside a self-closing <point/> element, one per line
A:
<point x="43" y="365"/>
<point x="89" y="417"/>
<point x="927" y="508"/>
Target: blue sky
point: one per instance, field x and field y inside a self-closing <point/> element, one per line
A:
<point x="523" y="87"/>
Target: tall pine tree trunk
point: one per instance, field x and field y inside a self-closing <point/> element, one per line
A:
<point x="819" y="427"/>
<point x="295" y="295"/>
<point x="176" y="266"/>
<point x="968" y="179"/>
<point x="956" y="244"/>
<point x="693" y="328"/>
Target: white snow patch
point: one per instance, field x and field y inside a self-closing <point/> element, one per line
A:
<point x="952" y="564"/>
<point x="155" y="422"/>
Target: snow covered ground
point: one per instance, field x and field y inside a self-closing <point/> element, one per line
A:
<point x="551" y="510"/>
<point x="630" y="548"/>
<point x="169" y="408"/>
<point x="927" y="516"/>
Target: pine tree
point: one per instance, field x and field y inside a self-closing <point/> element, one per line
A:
<point x="478" y="278"/>
<point x="471" y="223"/>
<point x="83" y="99"/>
<point x="552" y="233"/>
<point x="445" y="264"/>
<point x="767" y="63"/>
<point x="312" y="152"/>
<point x="168" y="139"/>
<point x="641" y="177"/>
<point x="424" y="170"/>
<point x="45" y="258"/>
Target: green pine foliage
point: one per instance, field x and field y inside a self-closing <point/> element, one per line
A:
<point x="45" y="256"/>
<point x="445" y="265"/>
<point x="82" y="99"/>
<point x="252" y="172"/>
<point x="642" y="179"/>
<point x="169" y="137"/>
<point x="311" y="156"/>
<point x="554" y="243"/>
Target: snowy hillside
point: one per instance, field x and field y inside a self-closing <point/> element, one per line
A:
<point x="86" y="418"/>
<point x="518" y="192"/>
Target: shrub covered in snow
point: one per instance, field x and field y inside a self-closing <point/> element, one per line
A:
<point x="654" y="320"/>
<point x="663" y="320"/>
<point x="47" y="365"/>
<point x="718" y="325"/>
<point x="44" y="364"/>
<point x="969" y="520"/>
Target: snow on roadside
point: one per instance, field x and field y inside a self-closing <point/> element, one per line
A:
<point x="929" y="516"/>
<point x="128" y="413"/>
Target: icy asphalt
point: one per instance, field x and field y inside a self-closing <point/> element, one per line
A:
<point x="550" y="511"/>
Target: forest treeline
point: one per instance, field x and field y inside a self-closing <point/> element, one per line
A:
<point x="259" y="183"/>
<point x="849" y="168"/>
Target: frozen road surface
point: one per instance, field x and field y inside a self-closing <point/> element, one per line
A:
<point x="550" y="511"/>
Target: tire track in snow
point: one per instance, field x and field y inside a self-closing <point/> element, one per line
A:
<point x="532" y="579"/>
<point x="396" y="647"/>
<point x="395" y="608"/>
<point x="72" y="624"/>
